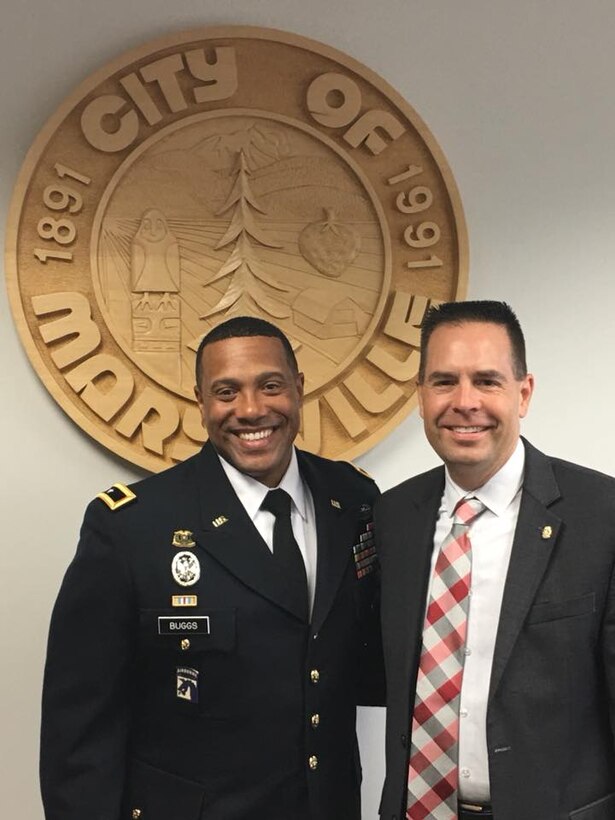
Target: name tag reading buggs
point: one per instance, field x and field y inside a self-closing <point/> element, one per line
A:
<point x="220" y="172"/>
<point x="199" y="625"/>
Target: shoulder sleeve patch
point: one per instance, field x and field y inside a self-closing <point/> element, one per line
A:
<point x="116" y="496"/>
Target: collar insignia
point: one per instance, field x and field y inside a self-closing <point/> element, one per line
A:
<point x="219" y="521"/>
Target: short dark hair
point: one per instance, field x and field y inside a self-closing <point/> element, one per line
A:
<point x="243" y="326"/>
<point x="485" y="310"/>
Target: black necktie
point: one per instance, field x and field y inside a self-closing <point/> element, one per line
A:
<point x="286" y="552"/>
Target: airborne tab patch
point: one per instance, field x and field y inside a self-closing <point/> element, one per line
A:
<point x="116" y="496"/>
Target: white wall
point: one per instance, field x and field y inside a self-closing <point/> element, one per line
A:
<point x="521" y="98"/>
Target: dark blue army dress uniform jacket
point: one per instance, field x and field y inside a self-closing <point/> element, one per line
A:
<point x="234" y="707"/>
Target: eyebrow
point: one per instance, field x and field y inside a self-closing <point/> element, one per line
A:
<point x="481" y="374"/>
<point x="261" y="377"/>
<point x="491" y="374"/>
<point x="440" y="374"/>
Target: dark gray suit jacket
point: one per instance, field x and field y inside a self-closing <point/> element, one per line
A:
<point x="551" y="709"/>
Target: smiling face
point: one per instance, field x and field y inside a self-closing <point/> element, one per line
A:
<point x="250" y="400"/>
<point x="470" y="400"/>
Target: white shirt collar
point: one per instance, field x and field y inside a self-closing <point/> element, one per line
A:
<point x="252" y="493"/>
<point x="498" y="492"/>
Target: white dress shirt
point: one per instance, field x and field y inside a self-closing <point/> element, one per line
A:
<point x="491" y="536"/>
<point x="251" y="493"/>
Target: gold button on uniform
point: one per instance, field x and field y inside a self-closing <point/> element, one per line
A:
<point x="315" y="721"/>
<point x="185" y="644"/>
<point x="314" y="675"/>
<point x="313" y="762"/>
<point x="136" y="813"/>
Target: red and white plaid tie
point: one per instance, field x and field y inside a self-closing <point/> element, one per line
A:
<point x="433" y="774"/>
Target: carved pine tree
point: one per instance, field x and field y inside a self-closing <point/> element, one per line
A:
<point x="245" y="294"/>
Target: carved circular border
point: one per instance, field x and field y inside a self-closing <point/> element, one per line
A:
<point x="182" y="38"/>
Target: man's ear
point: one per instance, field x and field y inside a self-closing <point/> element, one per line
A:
<point x="419" y="394"/>
<point x="526" y="389"/>
<point x="199" y="401"/>
<point x="300" y="383"/>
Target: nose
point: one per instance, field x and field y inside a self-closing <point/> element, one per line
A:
<point x="466" y="398"/>
<point x="250" y="405"/>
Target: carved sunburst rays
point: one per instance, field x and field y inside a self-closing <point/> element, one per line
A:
<point x="206" y="268"/>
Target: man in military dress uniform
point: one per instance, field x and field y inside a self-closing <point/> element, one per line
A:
<point x="211" y="638"/>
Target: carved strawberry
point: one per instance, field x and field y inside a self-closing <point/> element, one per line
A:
<point x="329" y="245"/>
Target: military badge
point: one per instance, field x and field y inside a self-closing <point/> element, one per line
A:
<point x="185" y="569"/>
<point x="184" y="600"/>
<point x="364" y="552"/>
<point x="183" y="539"/>
<point x="116" y="496"/>
<point x="187" y="684"/>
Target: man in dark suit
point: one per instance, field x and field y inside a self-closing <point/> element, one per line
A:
<point x="506" y="711"/>
<point x="207" y="648"/>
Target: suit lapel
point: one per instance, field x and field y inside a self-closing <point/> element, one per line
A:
<point x="229" y="536"/>
<point x="409" y="551"/>
<point x="335" y="530"/>
<point x="534" y="540"/>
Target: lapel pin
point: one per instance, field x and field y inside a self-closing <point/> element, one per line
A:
<point x="219" y="521"/>
<point x="183" y="539"/>
<point x="336" y="504"/>
<point x="185" y="568"/>
<point x="546" y="533"/>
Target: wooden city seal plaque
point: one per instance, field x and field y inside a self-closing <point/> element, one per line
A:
<point x="222" y="172"/>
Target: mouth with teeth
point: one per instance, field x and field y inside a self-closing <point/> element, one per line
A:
<point x="250" y="436"/>
<point x="467" y="433"/>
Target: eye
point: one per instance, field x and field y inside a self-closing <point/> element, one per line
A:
<point x="225" y="393"/>
<point x="272" y="386"/>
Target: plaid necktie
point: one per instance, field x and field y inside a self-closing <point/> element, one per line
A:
<point x="433" y="775"/>
<point x="286" y="552"/>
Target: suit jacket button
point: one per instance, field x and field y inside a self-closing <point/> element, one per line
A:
<point x="313" y="762"/>
<point x="315" y="721"/>
<point x="136" y="813"/>
<point x="404" y="740"/>
<point x="185" y="644"/>
<point x="314" y="675"/>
